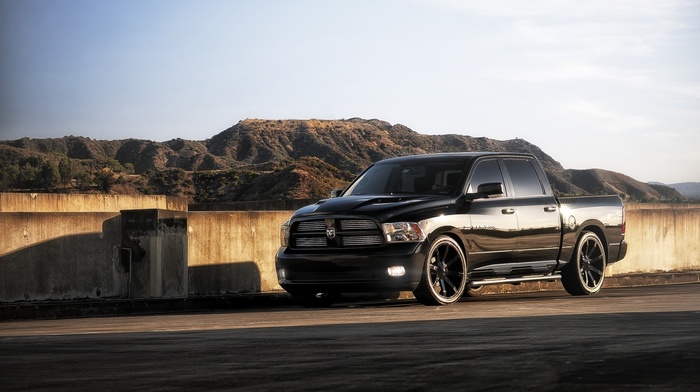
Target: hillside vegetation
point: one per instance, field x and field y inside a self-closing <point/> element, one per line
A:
<point x="266" y="160"/>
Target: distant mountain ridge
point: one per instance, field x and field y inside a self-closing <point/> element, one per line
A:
<point x="268" y="159"/>
<point x="688" y="189"/>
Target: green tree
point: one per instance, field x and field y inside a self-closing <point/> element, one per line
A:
<point x="83" y="178"/>
<point x="105" y="179"/>
<point x="114" y="165"/>
<point x="67" y="170"/>
<point x="49" y="176"/>
<point x="129" y="167"/>
<point x="27" y="176"/>
<point x="8" y="177"/>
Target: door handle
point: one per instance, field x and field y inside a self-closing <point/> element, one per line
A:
<point x="508" y="211"/>
<point x="550" y="209"/>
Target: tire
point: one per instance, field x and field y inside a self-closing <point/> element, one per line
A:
<point x="585" y="273"/>
<point x="315" y="300"/>
<point x="444" y="273"/>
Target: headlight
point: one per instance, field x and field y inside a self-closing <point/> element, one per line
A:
<point x="284" y="233"/>
<point x="403" y="232"/>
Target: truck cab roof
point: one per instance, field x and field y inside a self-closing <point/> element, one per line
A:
<point x="455" y="155"/>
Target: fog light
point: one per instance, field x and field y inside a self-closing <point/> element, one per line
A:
<point x="281" y="275"/>
<point x="396" y="271"/>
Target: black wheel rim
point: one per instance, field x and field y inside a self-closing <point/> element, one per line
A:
<point x="591" y="264"/>
<point x="446" y="272"/>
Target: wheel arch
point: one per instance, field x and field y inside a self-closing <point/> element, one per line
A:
<point x="571" y="238"/>
<point x="597" y="228"/>
<point x="451" y="232"/>
<point x="585" y="273"/>
<point x="443" y="280"/>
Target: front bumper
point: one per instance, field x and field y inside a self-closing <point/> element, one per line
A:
<point x="345" y="271"/>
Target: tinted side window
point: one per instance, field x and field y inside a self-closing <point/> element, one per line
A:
<point x="525" y="180"/>
<point x="485" y="172"/>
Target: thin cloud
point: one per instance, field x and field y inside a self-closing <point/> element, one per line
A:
<point x="604" y="119"/>
<point x="571" y="71"/>
<point x="592" y="38"/>
<point x="570" y="8"/>
<point x="650" y="80"/>
<point x="691" y="90"/>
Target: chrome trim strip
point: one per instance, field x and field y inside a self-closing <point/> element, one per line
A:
<point x="492" y="251"/>
<point x="516" y="250"/>
<point x="529" y="250"/>
<point x="486" y="282"/>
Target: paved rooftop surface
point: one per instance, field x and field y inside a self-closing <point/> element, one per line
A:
<point x="129" y="306"/>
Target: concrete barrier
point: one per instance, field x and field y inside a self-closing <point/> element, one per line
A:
<point x="258" y="205"/>
<point x="661" y="237"/>
<point x="234" y="251"/>
<point x="56" y="202"/>
<point x="65" y="255"/>
<point x="154" y="246"/>
<point x="74" y="255"/>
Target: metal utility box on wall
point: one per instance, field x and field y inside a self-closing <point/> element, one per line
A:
<point x="154" y="251"/>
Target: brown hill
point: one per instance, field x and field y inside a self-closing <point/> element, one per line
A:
<point x="266" y="159"/>
<point x="602" y="182"/>
<point x="347" y="144"/>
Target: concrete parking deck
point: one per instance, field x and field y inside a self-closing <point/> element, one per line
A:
<point x="122" y="306"/>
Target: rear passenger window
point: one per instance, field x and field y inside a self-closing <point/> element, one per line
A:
<point x="525" y="180"/>
<point x="485" y="172"/>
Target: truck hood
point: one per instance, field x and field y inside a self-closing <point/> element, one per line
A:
<point x="383" y="207"/>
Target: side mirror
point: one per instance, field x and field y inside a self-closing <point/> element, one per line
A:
<point x="336" y="192"/>
<point x="487" y="190"/>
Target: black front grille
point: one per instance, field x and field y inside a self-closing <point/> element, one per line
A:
<point x="336" y="233"/>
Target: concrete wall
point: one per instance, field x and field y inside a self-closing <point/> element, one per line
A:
<point x="54" y="202"/>
<point x="67" y="246"/>
<point x="73" y="255"/>
<point x="258" y="205"/>
<point x="154" y="244"/>
<point x="64" y="255"/>
<point x="234" y="251"/>
<point x="661" y="237"/>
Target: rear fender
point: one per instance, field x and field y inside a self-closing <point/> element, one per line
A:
<point x="571" y="236"/>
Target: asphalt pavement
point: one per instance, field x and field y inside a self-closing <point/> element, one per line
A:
<point x="622" y="339"/>
<point x="24" y="310"/>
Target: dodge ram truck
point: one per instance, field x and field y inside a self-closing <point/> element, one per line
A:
<point x="445" y="226"/>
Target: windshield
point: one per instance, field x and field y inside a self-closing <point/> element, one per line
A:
<point x="418" y="176"/>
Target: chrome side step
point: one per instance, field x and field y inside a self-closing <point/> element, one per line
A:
<point x="486" y="282"/>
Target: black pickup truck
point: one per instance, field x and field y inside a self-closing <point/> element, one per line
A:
<point x="445" y="226"/>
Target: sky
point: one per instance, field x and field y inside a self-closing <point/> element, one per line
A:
<point x="609" y="84"/>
